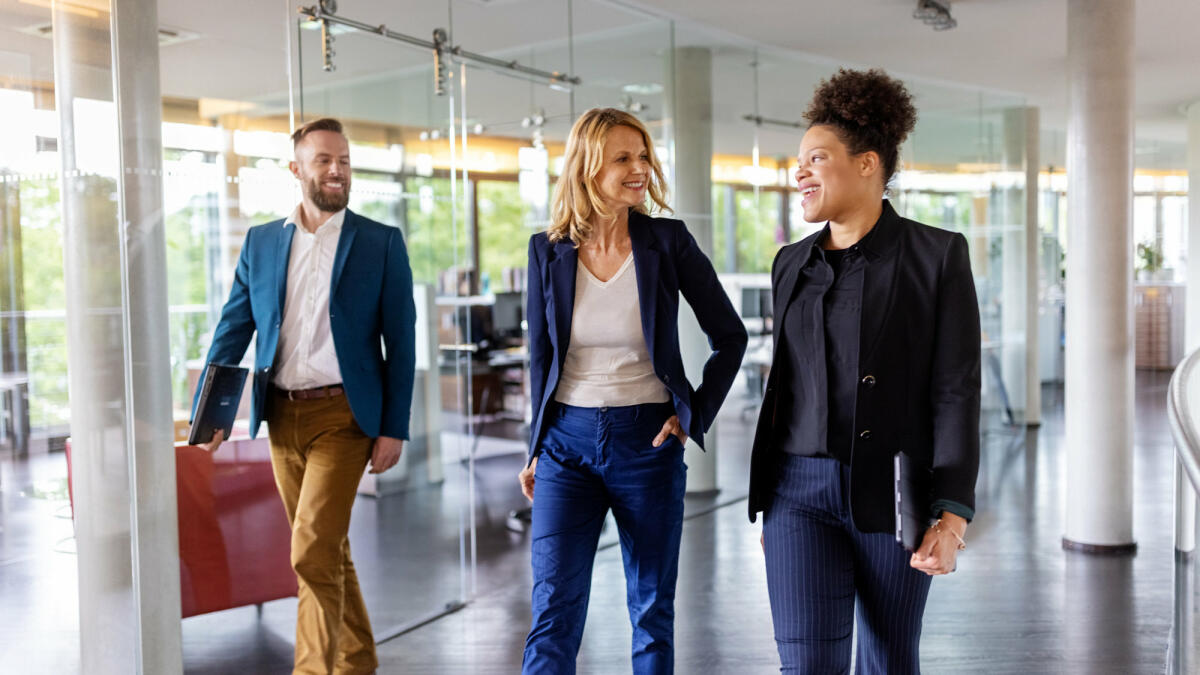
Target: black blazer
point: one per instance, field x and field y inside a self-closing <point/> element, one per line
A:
<point x="919" y="352"/>
<point x="667" y="262"/>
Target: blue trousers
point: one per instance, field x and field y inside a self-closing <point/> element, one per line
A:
<point x="593" y="460"/>
<point x="820" y="567"/>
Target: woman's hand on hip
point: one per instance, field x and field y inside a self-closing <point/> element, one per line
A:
<point x="939" y="549"/>
<point x="670" y="428"/>
<point x="526" y="478"/>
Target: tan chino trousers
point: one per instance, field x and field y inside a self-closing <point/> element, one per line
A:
<point x="318" y="454"/>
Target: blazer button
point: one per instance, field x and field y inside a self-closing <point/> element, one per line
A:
<point x="865" y="435"/>
<point x="869" y="380"/>
<point x="666" y="379"/>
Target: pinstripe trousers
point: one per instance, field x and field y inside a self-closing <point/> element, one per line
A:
<point x="820" y="568"/>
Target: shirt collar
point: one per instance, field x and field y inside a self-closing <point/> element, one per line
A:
<point x="874" y="244"/>
<point x="334" y="223"/>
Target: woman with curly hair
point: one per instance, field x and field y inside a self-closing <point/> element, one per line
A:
<point x="612" y="407"/>
<point x="877" y="349"/>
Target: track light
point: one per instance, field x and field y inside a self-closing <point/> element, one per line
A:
<point x="537" y="119"/>
<point x="630" y="105"/>
<point x="935" y="14"/>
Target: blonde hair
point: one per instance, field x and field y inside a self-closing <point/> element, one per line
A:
<point x="576" y="196"/>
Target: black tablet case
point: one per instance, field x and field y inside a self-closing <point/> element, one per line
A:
<point x="219" y="401"/>
<point x="912" y="495"/>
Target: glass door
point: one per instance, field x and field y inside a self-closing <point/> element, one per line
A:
<point x="411" y="531"/>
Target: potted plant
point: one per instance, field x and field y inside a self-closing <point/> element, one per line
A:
<point x="1150" y="264"/>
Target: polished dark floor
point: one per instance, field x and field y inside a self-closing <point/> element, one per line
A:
<point x="1018" y="604"/>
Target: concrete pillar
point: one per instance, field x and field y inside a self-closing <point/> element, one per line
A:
<point x="1099" y="353"/>
<point x="731" y="247"/>
<point x="1192" y="310"/>
<point x="13" y="362"/>
<point x="1019" y="216"/>
<point x="126" y="527"/>
<point x="1033" y="236"/>
<point x="690" y="111"/>
<point x="225" y="244"/>
<point x="421" y="462"/>
<point x="1185" y="493"/>
<point x="1009" y="213"/>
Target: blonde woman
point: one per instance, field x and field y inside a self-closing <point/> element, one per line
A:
<point x="612" y="407"/>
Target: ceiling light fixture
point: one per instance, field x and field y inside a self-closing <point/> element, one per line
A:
<point x="89" y="8"/>
<point x="759" y="121"/>
<point x="630" y="105"/>
<point x="643" y="89"/>
<point x="935" y="14"/>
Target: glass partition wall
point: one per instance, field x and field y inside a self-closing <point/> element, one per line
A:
<point x="963" y="169"/>
<point x="461" y="153"/>
<point x="467" y="174"/>
<point x="412" y="535"/>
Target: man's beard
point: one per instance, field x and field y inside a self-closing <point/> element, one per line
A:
<point x="328" y="203"/>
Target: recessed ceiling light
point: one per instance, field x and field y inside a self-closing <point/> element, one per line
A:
<point x="646" y="89"/>
<point x="334" y="28"/>
<point x="166" y="36"/>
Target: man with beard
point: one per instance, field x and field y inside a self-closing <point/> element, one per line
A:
<point x="324" y="289"/>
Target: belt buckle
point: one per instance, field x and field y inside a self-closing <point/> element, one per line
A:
<point x="290" y="395"/>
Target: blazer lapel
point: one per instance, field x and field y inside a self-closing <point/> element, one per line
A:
<point x="562" y="293"/>
<point x="646" y="266"/>
<point x="787" y="287"/>
<point x="283" y="249"/>
<point x="345" y="239"/>
<point x="881" y="246"/>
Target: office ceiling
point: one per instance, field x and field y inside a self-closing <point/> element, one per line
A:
<point x="1016" y="46"/>
<point x="1001" y="54"/>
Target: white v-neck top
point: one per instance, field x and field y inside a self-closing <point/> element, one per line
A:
<point x="607" y="363"/>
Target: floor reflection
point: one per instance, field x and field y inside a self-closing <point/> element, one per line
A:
<point x="1018" y="604"/>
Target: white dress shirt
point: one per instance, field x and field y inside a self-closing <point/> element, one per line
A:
<point x="306" y="357"/>
<point x="607" y="363"/>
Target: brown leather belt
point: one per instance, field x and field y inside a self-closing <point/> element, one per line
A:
<point x="328" y="391"/>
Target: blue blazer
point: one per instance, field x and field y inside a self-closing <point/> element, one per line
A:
<point x="371" y="310"/>
<point x="667" y="262"/>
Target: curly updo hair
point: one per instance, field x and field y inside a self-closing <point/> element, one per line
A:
<point x="869" y="110"/>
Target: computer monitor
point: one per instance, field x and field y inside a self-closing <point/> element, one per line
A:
<point x="506" y="314"/>
<point x="756" y="303"/>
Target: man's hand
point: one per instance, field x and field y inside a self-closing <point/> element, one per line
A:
<point x="211" y="446"/>
<point x="386" y="453"/>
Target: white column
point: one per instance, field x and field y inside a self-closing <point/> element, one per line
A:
<point x="691" y="115"/>
<point x="126" y="528"/>
<point x="1099" y="351"/>
<point x="1192" y="310"/>
<point x="1033" y="236"/>
<point x="1018" y="216"/>
<point x="421" y="462"/>
<point x="1185" y="493"/>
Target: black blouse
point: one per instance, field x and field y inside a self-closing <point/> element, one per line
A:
<point x="820" y="345"/>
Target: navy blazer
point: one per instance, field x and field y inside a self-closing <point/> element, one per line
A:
<point x="371" y="308"/>
<point x="918" y="363"/>
<point x="667" y="262"/>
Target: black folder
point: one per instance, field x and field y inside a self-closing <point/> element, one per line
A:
<point x="219" y="401"/>
<point x="913" y="482"/>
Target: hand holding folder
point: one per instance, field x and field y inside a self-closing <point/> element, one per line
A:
<point x="912" y="500"/>
<point x="218" y="404"/>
